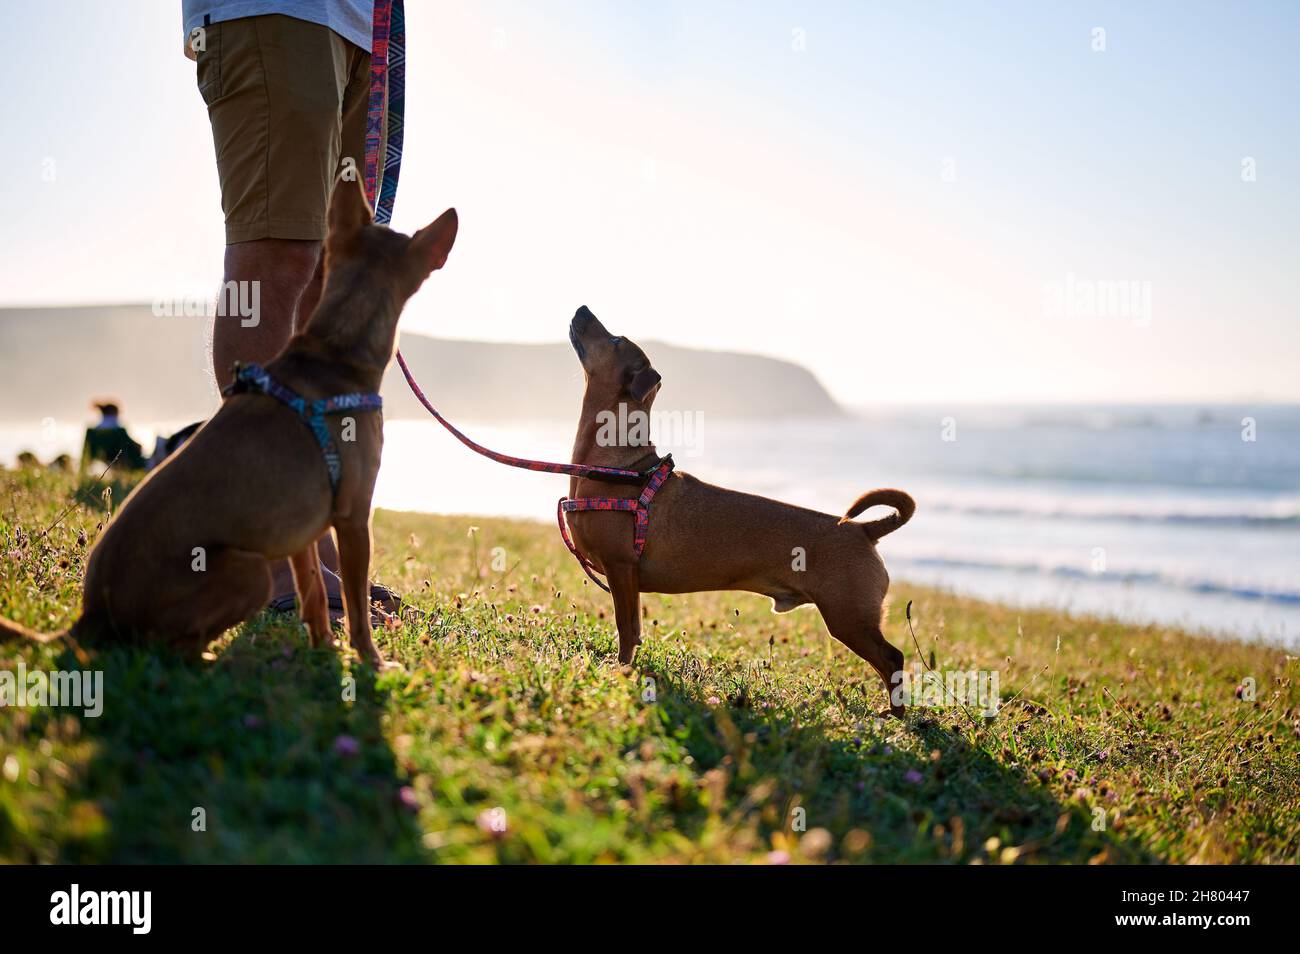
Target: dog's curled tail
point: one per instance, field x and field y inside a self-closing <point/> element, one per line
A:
<point x="901" y="501"/>
<point x="11" y="630"/>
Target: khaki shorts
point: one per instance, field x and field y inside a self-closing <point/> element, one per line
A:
<point x="287" y="100"/>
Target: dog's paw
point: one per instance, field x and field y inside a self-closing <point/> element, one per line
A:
<point x="324" y="642"/>
<point x="373" y="658"/>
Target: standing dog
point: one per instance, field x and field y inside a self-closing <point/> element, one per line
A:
<point x="188" y="556"/>
<point x="701" y="537"/>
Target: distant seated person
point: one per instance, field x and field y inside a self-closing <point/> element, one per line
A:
<point x="109" y="442"/>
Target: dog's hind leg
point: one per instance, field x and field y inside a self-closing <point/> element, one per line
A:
<point x="232" y="588"/>
<point x="861" y="634"/>
<point x="625" y="587"/>
<point x="313" y="605"/>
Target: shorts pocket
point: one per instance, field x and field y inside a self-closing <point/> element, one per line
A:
<point x="208" y="69"/>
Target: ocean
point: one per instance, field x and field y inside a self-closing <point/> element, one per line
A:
<point x="1188" y="515"/>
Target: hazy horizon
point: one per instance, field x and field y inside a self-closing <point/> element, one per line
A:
<point x="857" y="408"/>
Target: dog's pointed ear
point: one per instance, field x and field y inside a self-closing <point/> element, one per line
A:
<point x="349" y="212"/>
<point x="643" y="382"/>
<point x="431" y="245"/>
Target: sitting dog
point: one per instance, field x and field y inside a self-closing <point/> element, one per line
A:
<point x="701" y="537"/>
<point x="293" y="450"/>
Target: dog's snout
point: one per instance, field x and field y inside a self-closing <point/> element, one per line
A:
<point x="581" y="318"/>
<point x="577" y="327"/>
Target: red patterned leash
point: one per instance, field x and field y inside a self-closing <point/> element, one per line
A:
<point x="639" y="507"/>
<point x="384" y="136"/>
<point x="616" y="475"/>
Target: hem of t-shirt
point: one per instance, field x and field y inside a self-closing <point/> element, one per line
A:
<point x="241" y="11"/>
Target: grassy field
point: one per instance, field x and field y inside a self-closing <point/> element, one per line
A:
<point x="511" y="734"/>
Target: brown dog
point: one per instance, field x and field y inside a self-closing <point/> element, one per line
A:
<point x="703" y="537"/>
<point x="187" y="557"/>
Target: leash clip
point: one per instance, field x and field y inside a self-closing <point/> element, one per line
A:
<point x="650" y="471"/>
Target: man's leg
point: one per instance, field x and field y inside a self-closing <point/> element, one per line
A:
<point x="287" y="103"/>
<point x="283" y="268"/>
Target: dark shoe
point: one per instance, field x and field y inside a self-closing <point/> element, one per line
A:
<point x="384" y="604"/>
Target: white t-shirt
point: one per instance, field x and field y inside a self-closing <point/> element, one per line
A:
<point x="350" y="19"/>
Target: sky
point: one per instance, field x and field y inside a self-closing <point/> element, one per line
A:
<point x="921" y="202"/>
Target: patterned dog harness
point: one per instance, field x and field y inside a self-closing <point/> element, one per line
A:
<point x="639" y="507"/>
<point x="253" y="378"/>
